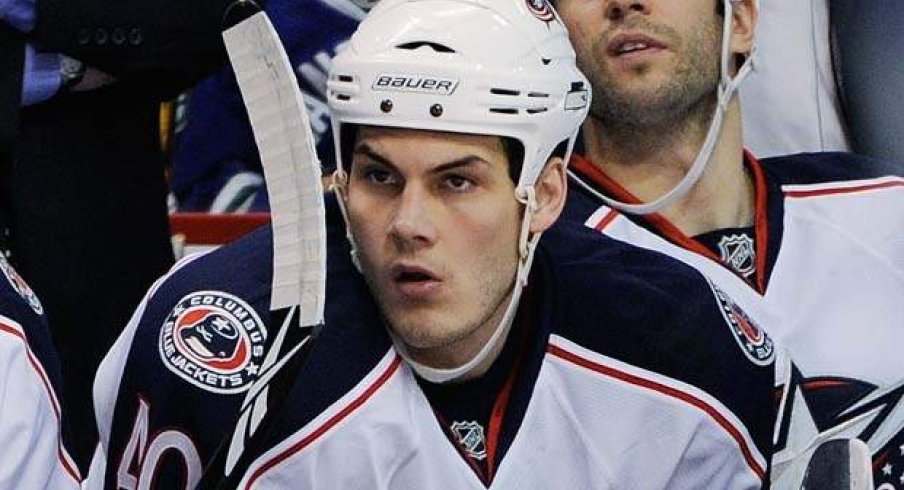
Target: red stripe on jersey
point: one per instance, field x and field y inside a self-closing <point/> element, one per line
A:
<point x="844" y="190"/>
<point x="669" y="391"/>
<point x="607" y="219"/>
<point x="823" y="383"/>
<point x="671" y="232"/>
<point x="54" y="404"/>
<point x="335" y="419"/>
<point x="761" y="222"/>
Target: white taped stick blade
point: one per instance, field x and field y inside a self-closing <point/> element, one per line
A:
<point x="292" y="171"/>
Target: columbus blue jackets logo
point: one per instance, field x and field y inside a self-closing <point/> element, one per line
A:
<point x="541" y="10"/>
<point x="21" y="287"/>
<point x="758" y="346"/>
<point x="214" y="341"/>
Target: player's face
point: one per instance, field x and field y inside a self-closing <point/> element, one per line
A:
<point x="646" y="59"/>
<point x="436" y="221"/>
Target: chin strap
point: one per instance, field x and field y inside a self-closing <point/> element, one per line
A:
<point x="527" y="244"/>
<point x="340" y="181"/>
<point x="728" y="86"/>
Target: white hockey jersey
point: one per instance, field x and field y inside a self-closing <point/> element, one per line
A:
<point x="635" y="375"/>
<point x="593" y="422"/>
<point x="829" y="259"/>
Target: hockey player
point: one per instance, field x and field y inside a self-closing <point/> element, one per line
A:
<point x="812" y="243"/>
<point x="31" y="435"/>
<point x="473" y="354"/>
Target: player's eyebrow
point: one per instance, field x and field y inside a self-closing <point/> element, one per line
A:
<point x="366" y="150"/>
<point x="468" y="160"/>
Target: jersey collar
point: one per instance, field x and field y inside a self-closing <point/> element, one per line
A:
<point x="765" y="206"/>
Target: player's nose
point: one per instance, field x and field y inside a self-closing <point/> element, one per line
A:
<point x="619" y="9"/>
<point x="412" y="225"/>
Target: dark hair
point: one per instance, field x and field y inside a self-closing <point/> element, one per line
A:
<point x="514" y="152"/>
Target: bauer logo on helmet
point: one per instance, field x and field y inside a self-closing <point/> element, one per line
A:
<point x="428" y="84"/>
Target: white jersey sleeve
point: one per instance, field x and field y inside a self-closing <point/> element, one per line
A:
<point x="33" y="452"/>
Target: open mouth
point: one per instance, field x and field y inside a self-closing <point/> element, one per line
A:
<point x="412" y="277"/>
<point x="626" y="44"/>
<point x="411" y="272"/>
<point x="415" y="281"/>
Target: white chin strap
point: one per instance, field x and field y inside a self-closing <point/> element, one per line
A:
<point x="527" y="245"/>
<point x="340" y="180"/>
<point x="726" y="90"/>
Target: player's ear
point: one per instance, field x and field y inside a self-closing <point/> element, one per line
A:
<point x="743" y="25"/>
<point x="337" y="182"/>
<point x="551" y="189"/>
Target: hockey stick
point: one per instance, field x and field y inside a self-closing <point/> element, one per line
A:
<point x="292" y="172"/>
<point x="839" y="464"/>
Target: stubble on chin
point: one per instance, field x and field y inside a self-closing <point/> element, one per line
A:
<point x="449" y="336"/>
<point x="640" y="103"/>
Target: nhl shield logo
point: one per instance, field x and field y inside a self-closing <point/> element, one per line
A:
<point x="470" y="436"/>
<point x="20" y="286"/>
<point x="214" y="341"/>
<point x="739" y="253"/>
<point x="757" y="346"/>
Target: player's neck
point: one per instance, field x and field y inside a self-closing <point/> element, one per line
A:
<point x="654" y="161"/>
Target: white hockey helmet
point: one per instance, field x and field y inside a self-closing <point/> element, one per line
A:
<point x="495" y="67"/>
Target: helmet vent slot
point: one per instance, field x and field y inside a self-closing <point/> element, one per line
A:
<point x="345" y="78"/>
<point x="538" y="94"/>
<point x="503" y="110"/>
<point x="343" y="97"/>
<point x="505" y="91"/>
<point x="536" y="110"/>
<point x="439" y="48"/>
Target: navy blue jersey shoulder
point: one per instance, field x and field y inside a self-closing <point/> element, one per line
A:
<point x="652" y="311"/>
<point x="149" y="389"/>
<point x="346" y="349"/>
<point x="580" y="204"/>
<point x="243" y="268"/>
<point x="818" y="168"/>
